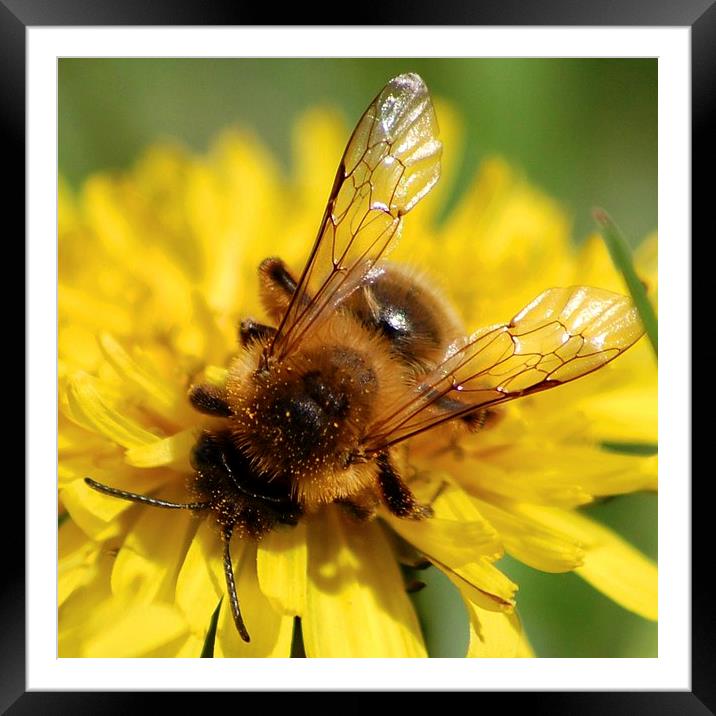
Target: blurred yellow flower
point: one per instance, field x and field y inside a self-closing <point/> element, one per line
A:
<point x="156" y="267"/>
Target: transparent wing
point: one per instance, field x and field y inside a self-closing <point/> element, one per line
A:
<point x="561" y="335"/>
<point x="391" y="162"/>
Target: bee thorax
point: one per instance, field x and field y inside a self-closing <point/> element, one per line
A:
<point x="301" y="419"/>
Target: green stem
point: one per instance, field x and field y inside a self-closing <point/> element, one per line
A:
<point x="298" y="650"/>
<point x="631" y="448"/>
<point x="207" y="651"/>
<point x="622" y="258"/>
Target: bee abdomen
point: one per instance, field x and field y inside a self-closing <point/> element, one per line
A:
<point x="409" y="313"/>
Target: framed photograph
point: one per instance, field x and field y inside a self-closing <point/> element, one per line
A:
<point x="275" y="440"/>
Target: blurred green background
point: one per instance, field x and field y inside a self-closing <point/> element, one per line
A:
<point x="584" y="130"/>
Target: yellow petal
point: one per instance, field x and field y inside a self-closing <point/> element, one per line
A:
<point x="457" y="534"/>
<point x="494" y="634"/>
<point x="611" y="565"/>
<point x="88" y="598"/>
<point x="76" y="468"/>
<point x="235" y="215"/>
<point x="619" y="402"/>
<point x="190" y="648"/>
<point x="463" y="550"/>
<point x="202" y="336"/>
<point x="520" y="481"/>
<point x="74" y="441"/>
<point x="453" y="504"/>
<point x="216" y="374"/>
<point x="623" y="574"/>
<point x="93" y="623"/>
<point x="96" y="514"/>
<point x="161" y="178"/>
<point x="356" y="605"/>
<point x="314" y="171"/>
<point x="595" y="267"/>
<point x="78" y="560"/>
<point x="554" y="473"/>
<point x="506" y="228"/>
<point x="201" y="581"/>
<point x="119" y="630"/>
<point x="92" y="409"/>
<point x="638" y="473"/>
<point x="627" y="415"/>
<point x="531" y="542"/>
<point x="482" y="583"/>
<point x="109" y="207"/>
<point x="281" y="564"/>
<point x="73" y="306"/>
<point x="158" y="394"/>
<point x="173" y="451"/>
<point x="148" y="563"/>
<point x="77" y="349"/>
<point x="457" y="543"/>
<point x="270" y="632"/>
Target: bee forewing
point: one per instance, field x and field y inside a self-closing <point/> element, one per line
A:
<point x="561" y="335"/>
<point x="578" y="329"/>
<point x="391" y="162"/>
<point x="395" y="146"/>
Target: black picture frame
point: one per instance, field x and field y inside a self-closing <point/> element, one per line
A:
<point x="699" y="15"/>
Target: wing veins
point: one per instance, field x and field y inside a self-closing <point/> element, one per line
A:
<point x="420" y="396"/>
<point x="586" y="323"/>
<point x="321" y="302"/>
<point x="398" y="137"/>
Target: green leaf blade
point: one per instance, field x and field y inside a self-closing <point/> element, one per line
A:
<point x="621" y="255"/>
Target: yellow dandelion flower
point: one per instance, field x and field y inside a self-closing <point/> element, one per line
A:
<point x="157" y="267"/>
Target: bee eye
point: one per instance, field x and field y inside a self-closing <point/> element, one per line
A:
<point x="206" y="452"/>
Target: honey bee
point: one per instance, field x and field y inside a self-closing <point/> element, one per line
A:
<point x="359" y="354"/>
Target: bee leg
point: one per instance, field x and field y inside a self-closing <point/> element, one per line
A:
<point x="231" y="586"/>
<point x="397" y="495"/>
<point x="250" y="331"/>
<point x="273" y="272"/>
<point x="414" y="585"/>
<point x="277" y="286"/>
<point x="474" y="421"/>
<point x="210" y="399"/>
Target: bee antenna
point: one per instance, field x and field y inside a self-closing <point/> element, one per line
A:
<point x="231" y="587"/>
<point x="143" y="499"/>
